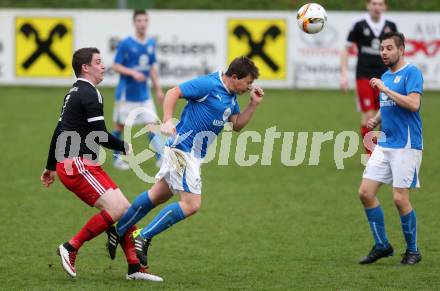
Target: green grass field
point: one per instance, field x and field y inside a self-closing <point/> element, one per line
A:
<point x="260" y="227"/>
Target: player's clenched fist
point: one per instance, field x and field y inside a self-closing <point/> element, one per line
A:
<point x="256" y="95"/>
<point x="47" y="177"/>
<point x="377" y="83"/>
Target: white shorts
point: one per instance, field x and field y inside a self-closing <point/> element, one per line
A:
<point x="397" y="167"/>
<point x="144" y="112"/>
<point x="181" y="171"/>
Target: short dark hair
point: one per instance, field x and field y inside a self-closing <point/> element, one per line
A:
<point x="139" y="12"/>
<point x="81" y="57"/>
<point x="398" y="37"/>
<point x="384" y="1"/>
<point x="242" y="67"/>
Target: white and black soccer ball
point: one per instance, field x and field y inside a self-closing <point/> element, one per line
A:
<point x="311" y="18"/>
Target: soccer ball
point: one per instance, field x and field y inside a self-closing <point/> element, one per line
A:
<point x="311" y="18"/>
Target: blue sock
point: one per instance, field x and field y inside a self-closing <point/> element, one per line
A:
<point x="169" y="215"/>
<point x="409" y="228"/>
<point x="377" y="226"/>
<point x="116" y="133"/>
<point x="138" y="209"/>
<point x="157" y="144"/>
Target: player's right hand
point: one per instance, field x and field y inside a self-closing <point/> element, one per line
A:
<point x="48" y="177"/>
<point x="138" y="76"/>
<point x="372" y="123"/>
<point x="167" y="128"/>
<point x="256" y="95"/>
<point x="344" y="83"/>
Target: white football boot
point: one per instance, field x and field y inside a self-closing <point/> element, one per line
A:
<point x="67" y="260"/>
<point x="143" y="274"/>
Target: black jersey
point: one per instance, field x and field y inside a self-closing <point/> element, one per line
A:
<point x="81" y="128"/>
<point x="366" y="35"/>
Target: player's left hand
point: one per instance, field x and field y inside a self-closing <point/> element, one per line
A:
<point x="377" y="83"/>
<point x="47" y="177"/>
<point x="372" y="123"/>
<point x="256" y="95"/>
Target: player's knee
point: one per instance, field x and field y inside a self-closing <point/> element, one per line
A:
<point x="124" y="206"/>
<point x="118" y="213"/>
<point x="364" y="195"/>
<point x="197" y="206"/>
<point x="115" y="213"/>
<point x="192" y="207"/>
<point x="118" y="210"/>
<point x="400" y="200"/>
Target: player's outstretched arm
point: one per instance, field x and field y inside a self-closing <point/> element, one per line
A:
<point x="169" y="104"/>
<point x="240" y="120"/>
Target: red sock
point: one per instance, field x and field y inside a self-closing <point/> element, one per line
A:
<point x="94" y="227"/>
<point x="128" y="246"/>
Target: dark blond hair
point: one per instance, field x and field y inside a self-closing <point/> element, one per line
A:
<point x="139" y="12"/>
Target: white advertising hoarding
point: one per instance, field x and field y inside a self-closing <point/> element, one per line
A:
<point x="189" y="43"/>
<point x="184" y="48"/>
<point x="316" y="58"/>
<point x="36" y="45"/>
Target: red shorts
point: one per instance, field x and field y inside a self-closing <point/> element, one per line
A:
<point x="368" y="97"/>
<point x="87" y="180"/>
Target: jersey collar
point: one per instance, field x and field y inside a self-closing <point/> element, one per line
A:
<point x="85" y="80"/>
<point x="376" y="27"/>
<point x="140" y="41"/>
<point x="220" y="74"/>
<point x="403" y="67"/>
